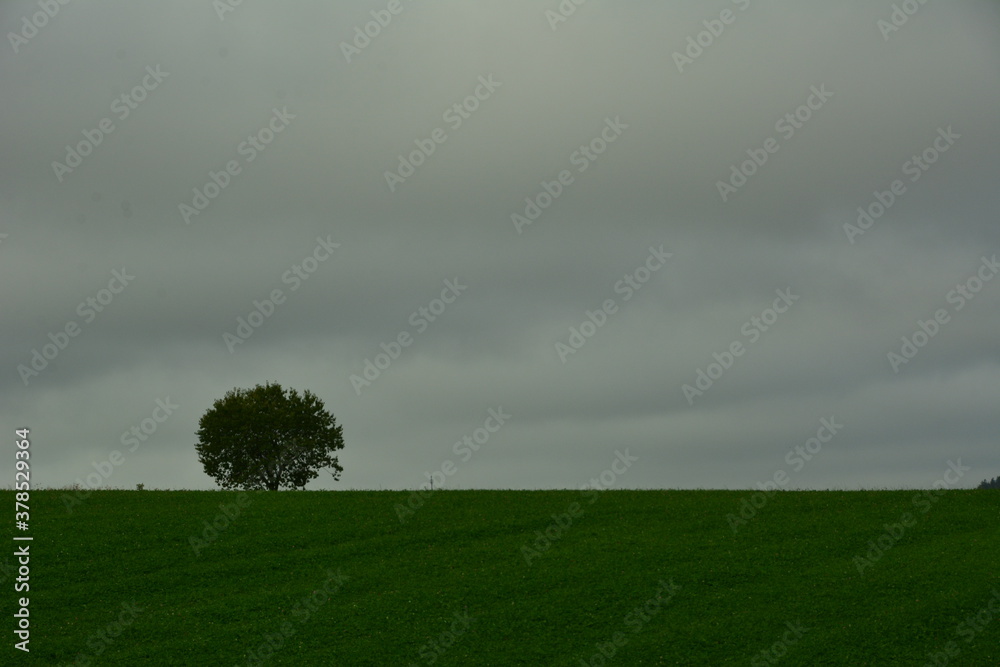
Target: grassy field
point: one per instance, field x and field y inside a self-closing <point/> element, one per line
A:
<point x="623" y="578"/>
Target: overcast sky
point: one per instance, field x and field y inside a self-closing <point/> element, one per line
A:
<point x="695" y="166"/>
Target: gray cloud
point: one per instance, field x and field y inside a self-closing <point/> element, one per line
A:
<point x="323" y="176"/>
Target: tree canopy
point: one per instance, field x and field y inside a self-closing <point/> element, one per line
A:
<point x="268" y="438"/>
<point x="990" y="483"/>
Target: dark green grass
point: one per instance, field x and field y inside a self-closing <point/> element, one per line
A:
<point x="462" y="553"/>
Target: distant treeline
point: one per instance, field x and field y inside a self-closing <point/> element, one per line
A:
<point x="990" y="483"/>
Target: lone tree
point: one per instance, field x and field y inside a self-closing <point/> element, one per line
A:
<point x="267" y="438"/>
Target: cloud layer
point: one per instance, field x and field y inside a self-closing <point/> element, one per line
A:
<point x="542" y="165"/>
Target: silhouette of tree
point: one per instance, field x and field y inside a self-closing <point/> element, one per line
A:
<point x="268" y="438"/>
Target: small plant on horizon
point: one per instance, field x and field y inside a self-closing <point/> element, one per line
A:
<point x="140" y="487"/>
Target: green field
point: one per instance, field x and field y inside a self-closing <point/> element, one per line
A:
<point x="649" y="577"/>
